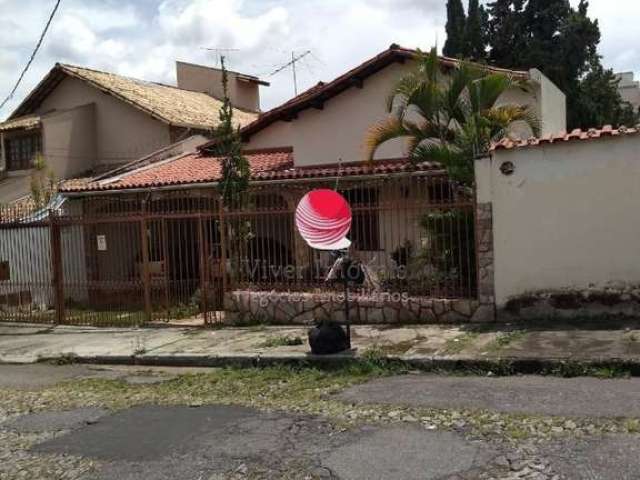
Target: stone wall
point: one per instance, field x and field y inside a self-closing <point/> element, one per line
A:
<point x="484" y="252"/>
<point x="245" y="307"/>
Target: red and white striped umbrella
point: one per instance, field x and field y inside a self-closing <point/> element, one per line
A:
<point x="323" y="218"/>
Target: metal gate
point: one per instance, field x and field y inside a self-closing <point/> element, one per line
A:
<point x="122" y="264"/>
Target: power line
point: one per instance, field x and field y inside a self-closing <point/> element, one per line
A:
<point x="33" y="55"/>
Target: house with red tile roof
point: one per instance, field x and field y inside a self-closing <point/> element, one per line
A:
<point x="323" y="130"/>
<point x="550" y="229"/>
<point x="313" y="140"/>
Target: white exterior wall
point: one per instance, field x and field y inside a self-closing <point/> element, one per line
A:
<point x="566" y="218"/>
<point x="338" y="131"/>
<point x="551" y="104"/>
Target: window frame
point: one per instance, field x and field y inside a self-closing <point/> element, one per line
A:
<point x="21" y="150"/>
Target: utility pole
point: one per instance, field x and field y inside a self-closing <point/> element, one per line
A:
<point x="294" y="59"/>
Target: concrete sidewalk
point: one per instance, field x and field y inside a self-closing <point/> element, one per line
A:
<point x="608" y="341"/>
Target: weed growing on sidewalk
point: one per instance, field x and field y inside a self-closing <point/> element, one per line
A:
<point x="456" y="345"/>
<point x="504" y="339"/>
<point x="281" y="341"/>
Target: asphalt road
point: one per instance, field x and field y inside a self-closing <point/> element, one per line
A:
<point x="567" y="397"/>
<point x="212" y="442"/>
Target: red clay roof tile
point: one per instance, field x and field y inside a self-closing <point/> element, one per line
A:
<point x="591" y="134"/>
<point x="266" y="164"/>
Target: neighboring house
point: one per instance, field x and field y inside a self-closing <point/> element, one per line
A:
<point x="629" y="89"/>
<point x="83" y="120"/>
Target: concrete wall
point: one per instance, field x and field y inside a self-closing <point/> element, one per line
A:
<point x="122" y="132"/>
<point x="338" y="131"/>
<point x="566" y="219"/>
<point x="551" y="104"/>
<point x="69" y="140"/>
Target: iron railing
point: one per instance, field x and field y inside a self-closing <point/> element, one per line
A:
<point x="125" y="259"/>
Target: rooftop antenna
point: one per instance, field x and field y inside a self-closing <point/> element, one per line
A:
<point x="294" y="59"/>
<point x="220" y="52"/>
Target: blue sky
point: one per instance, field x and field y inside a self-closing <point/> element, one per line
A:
<point x="143" y="38"/>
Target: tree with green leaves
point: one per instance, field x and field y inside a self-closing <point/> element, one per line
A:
<point x="600" y="102"/>
<point x="456" y="26"/>
<point x="562" y="42"/>
<point x="228" y="146"/>
<point x="450" y="118"/>
<point x="475" y="34"/>
<point x="43" y="184"/>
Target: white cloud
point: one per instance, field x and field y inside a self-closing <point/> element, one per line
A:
<point x="143" y="38"/>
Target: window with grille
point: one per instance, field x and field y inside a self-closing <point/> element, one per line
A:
<point x="21" y="151"/>
<point x="365" y="228"/>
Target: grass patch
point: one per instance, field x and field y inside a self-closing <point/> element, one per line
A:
<point x="302" y="390"/>
<point x="281" y="341"/>
<point x="393" y="349"/>
<point x="577" y="369"/>
<point x="456" y="345"/>
<point x="503" y="339"/>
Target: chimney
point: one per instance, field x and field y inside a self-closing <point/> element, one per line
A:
<point x="244" y="92"/>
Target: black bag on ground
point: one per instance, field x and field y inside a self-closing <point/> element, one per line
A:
<point x="327" y="338"/>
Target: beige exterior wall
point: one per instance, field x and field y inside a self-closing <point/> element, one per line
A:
<point x="122" y="132"/>
<point x="338" y="131"/>
<point x="198" y="78"/>
<point x="69" y="140"/>
<point x="566" y="218"/>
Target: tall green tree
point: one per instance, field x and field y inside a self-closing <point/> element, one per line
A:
<point x="449" y="118"/>
<point x="228" y="146"/>
<point x="456" y="25"/>
<point x="600" y="101"/>
<point x="475" y="38"/>
<point x="562" y="42"/>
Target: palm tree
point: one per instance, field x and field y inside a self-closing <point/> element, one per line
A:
<point x="449" y="118"/>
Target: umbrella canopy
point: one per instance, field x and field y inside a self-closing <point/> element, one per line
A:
<point x="323" y="218"/>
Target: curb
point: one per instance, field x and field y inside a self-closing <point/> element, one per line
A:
<point x="505" y="366"/>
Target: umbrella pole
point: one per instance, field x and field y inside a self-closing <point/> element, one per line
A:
<point x="345" y="282"/>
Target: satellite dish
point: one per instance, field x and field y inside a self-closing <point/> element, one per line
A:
<point x="323" y="218"/>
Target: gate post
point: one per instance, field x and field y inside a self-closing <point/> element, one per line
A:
<point x="146" y="275"/>
<point x="204" y="274"/>
<point x="223" y="246"/>
<point x="57" y="274"/>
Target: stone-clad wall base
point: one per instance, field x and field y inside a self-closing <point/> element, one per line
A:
<point x="612" y="300"/>
<point x="243" y="307"/>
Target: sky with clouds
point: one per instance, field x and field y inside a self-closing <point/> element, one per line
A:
<point x="143" y="38"/>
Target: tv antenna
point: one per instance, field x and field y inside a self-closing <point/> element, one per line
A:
<point x="220" y="52"/>
<point x="294" y="59"/>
